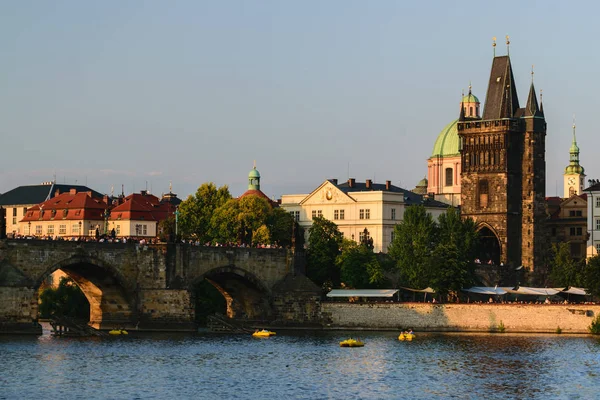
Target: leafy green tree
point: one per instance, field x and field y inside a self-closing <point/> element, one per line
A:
<point x="166" y="229"/>
<point x="196" y="211"/>
<point x="253" y="213"/>
<point x="225" y="223"/>
<point x="359" y="266"/>
<point x="261" y="235"/>
<point x="411" y="249"/>
<point x="281" y="226"/>
<point x="67" y="300"/>
<point x="450" y="271"/>
<point x="591" y="275"/>
<point x="324" y="243"/>
<point x="564" y="271"/>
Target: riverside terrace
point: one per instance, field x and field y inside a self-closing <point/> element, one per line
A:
<point x="151" y="286"/>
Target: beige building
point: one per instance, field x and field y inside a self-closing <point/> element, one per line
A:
<point x="358" y="206"/>
<point x="16" y="202"/>
<point x="593" y="218"/>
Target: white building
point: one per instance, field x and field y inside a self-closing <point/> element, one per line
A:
<point x="593" y="219"/>
<point x="356" y="206"/>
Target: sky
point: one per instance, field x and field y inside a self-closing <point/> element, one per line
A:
<point x="141" y="94"/>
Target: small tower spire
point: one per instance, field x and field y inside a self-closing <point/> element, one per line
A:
<point x="494" y="45"/>
<point x="507" y="45"/>
<point x="541" y="102"/>
<point x="532" y="73"/>
<point x="170" y="186"/>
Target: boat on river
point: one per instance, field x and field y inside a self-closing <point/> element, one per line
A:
<point x="352" y="343"/>
<point x="264" y="333"/>
<point x="118" y="332"/>
<point x="406" y="336"/>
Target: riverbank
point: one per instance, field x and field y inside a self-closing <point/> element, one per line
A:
<point x="516" y="318"/>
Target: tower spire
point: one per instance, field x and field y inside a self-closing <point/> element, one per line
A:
<point x="507" y="45"/>
<point x="494" y="45"/>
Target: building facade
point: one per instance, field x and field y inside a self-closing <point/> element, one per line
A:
<point x="503" y="171"/>
<point x="567" y="223"/>
<point x="593" y="219"/>
<point x="17" y="201"/>
<point x="361" y="210"/>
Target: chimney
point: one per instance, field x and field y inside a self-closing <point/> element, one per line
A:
<point x="56" y="192"/>
<point x="368" y="183"/>
<point x="334" y="181"/>
<point x="351" y="182"/>
<point x="72" y="191"/>
<point x="388" y="185"/>
<point x="143" y="192"/>
<point x="105" y="199"/>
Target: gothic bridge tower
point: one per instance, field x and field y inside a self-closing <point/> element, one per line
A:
<point x="504" y="172"/>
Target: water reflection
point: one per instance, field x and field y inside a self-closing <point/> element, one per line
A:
<point x="301" y="365"/>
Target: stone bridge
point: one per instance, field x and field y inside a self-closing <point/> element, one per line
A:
<point x="151" y="287"/>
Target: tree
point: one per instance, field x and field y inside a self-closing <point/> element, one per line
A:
<point x="281" y="226"/>
<point x="196" y="211"/>
<point x="414" y="240"/>
<point x="166" y="229"/>
<point x="591" y="275"/>
<point x="225" y="223"/>
<point x="253" y="213"/>
<point x="324" y="243"/>
<point x="67" y="300"/>
<point x="564" y="271"/>
<point x="359" y="266"/>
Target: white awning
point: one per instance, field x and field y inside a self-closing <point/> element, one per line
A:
<point x="362" y="293"/>
<point x="534" y="291"/>
<point x="426" y="290"/>
<point x="575" y="290"/>
<point x="486" y="290"/>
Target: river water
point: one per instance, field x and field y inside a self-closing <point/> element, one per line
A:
<point x="300" y="365"/>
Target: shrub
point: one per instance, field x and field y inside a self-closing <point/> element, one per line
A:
<point x="595" y="326"/>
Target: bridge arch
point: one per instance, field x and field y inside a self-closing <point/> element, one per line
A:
<point x="111" y="297"/>
<point x="245" y="294"/>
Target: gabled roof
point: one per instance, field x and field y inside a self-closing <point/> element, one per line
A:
<point x="35" y="194"/>
<point x="141" y="207"/>
<point x="594" y="188"/>
<point x="67" y="206"/>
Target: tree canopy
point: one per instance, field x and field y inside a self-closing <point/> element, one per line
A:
<point x="197" y="210"/>
<point x="324" y="242"/>
<point x="564" y="271"/>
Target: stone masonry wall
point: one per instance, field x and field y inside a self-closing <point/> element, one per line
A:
<point x="571" y="318"/>
<point x="172" y="308"/>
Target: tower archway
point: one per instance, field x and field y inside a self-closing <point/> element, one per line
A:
<point x="490" y="250"/>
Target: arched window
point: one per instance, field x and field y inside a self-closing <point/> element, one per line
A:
<point x="449" y="177"/>
<point x="483" y="194"/>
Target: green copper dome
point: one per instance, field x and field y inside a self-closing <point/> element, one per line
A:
<point x="447" y="141"/>
<point x="253" y="173"/>
<point x="470" y="98"/>
<point x="574" y="148"/>
<point x="423" y="182"/>
<point x="574" y="170"/>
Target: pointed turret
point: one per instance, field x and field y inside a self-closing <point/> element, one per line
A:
<point x="532" y="109"/>
<point x="501" y="100"/>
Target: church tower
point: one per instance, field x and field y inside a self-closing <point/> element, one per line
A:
<point x="503" y="172"/>
<point x="574" y="176"/>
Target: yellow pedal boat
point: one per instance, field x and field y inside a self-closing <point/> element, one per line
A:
<point x="118" y="332"/>
<point x="351" y="343"/>
<point x="406" y="336"/>
<point x="263" y="333"/>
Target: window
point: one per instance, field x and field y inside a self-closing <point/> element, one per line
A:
<point x="75" y="229"/>
<point x="38" y="229"/>
<point x="314" y="214"/>
<point x="393" y="213"/>
<point x="393" y="236"/>
<point x="341" y="214"/>
<point x="14" y="212"/>
<point x="572" y="231"/>
<point x="362" y="237"/>
<point x="368" y="213"/>
<point x="598" y="224"/>
<point x="319" y="213"/>
<point x="14" y="220"/>
<point x="483" y="194"/>
<point x="598" y="202"/>
<point x="449" y="177"/>
<point x="50" y="229"/>
<point x="579" y="231"/>
<point x="297" y="215"/>
<point x="597" y="248"/>
<point x="144" y="230"/>
<point x="571" y="213"/>
<point x="118" y="230"/>
<point x="336" y="214"/>
<point x="578" y="213"/>
<point x="62" y="229"/>
<point x="361" y="214"/>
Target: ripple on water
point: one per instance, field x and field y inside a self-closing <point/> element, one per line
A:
<point x="301" y="365"/>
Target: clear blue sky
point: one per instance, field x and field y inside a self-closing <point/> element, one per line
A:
<point x="129" y="92"/>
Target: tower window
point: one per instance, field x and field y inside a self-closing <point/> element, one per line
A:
<point x="483" y="194"/>
<point x="449" y="177"/>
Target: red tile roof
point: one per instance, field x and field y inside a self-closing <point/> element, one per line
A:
<point x="68" y="206"/>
